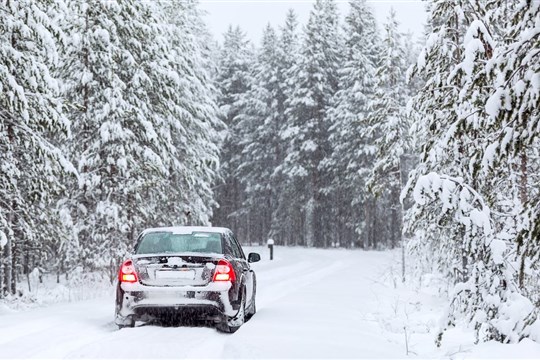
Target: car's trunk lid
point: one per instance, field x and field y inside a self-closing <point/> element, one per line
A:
<point x="175" y="269"/>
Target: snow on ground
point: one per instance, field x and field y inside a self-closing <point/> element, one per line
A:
<point x="311" y="304"/>
<point x="34" y="293"/>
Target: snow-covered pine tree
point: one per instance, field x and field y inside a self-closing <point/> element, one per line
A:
<point x="260" y="119"/>
<point x="512" y="117"/>
<point x="31" y="127"/>
<point x="194" y="120"/>
<point x="459" y="234"/>
<point x="475" y="209"/>
<point x="234" y="79"/>
<point x="287" y="214"/>
<point x="316" y="81"/>
<point x="119" y="89"/>
<point x="352" y="147"/>
<point x="389" y="124"/>
<point x="515" y="127"/>
<point x="434" y="106"/>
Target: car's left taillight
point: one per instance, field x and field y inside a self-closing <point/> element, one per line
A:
<point x="224" y="271"/>
<point x="127" y="272"/>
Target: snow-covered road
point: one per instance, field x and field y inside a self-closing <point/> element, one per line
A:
<point x="311" y="304"/>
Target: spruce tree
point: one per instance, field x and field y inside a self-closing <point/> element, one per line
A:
<point x="316" y="81"/>
<point x="389" y="125"/>
<point x="287" y="215"/>
<point x="512" y="116"/>
<point x="434" y="105"/>
<point x="119" y="91"/>
<point x="351" y="156"/>
<point x="461" y="177"/>
<point x="234" y="79"/>
<point x="194" y="130"/>
<point x="260" y="122"/>
<point x="31" y="127"/>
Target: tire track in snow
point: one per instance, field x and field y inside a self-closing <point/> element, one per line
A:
<point x="271" y="287"/>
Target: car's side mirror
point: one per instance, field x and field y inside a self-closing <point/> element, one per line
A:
<point x="253" y="257"/>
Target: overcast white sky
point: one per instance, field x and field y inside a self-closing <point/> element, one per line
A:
<point x="253" y="15"/>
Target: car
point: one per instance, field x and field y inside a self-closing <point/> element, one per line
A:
<point x="195" y="272"/>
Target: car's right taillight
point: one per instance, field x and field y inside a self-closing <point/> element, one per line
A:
<point x="127" y="272"/>
<point x="224" y="271"/>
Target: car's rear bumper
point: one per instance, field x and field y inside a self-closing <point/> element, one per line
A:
<point x="136" y="300"/>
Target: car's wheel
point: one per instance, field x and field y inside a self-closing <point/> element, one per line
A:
<point x="232" y="324"/>
<point x="252" y="308"/>
<point x="129" y="322"/>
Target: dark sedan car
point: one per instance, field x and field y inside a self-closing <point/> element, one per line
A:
<point x="199" y="272"/>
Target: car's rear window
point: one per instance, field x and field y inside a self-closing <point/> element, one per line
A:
<point x="167" y="242"/>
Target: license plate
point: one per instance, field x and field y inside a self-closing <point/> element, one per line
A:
<point x="175" y="274"/>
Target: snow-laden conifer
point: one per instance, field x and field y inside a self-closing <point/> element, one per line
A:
<point x="195" y="121"/>
<point x="262" y="112"/>
<point x="316" y="81"/>
<point x="31" y="127"/>
<point x="389" y="125"/>
<point x="234" y="79"/>
<point x="143" y="122"/>
<point x="465" y="204"/>
<point x="352" y="151"/>
<point x="434" y="105"/>
<point x="287" y="213"/>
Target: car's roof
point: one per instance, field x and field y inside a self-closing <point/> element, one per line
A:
<point x="188" y="229"/>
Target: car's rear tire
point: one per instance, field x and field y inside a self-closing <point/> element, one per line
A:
<point x="253" y="307"/>
<point x="129" y="323"/>
<point x="232" y="324"/>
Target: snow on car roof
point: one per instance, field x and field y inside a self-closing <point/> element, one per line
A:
<point x="188" y="229"/>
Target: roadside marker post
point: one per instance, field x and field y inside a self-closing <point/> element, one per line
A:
<point x="271" y="247"/>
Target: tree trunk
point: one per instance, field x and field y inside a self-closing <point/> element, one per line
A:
<point x="523" y="194"/>
<point x="464" y="260"/>
<point x="402" y="213"/>
<point x="393" y="226"/>
<point x="310" y="222"/>
<point x="8" y="263"/>
<point x="367" y="220"/>
<point x="524" y="197"/>
<point x="1" y="272"/>
<point x="13" y="275"/>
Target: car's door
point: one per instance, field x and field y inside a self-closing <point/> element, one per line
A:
<point x="243" y="266"/>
